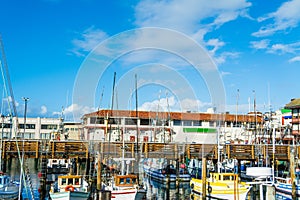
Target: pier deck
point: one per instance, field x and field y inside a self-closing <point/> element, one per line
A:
<point x="82" y="149"/>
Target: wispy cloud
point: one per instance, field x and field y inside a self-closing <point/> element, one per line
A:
<point x="166" y="104"/>
<point x="43" y="110"/>
<point x="286" y="17"/>
<point x="195" y="18"/>
<point x="88" y="40"/>
<point x="262" y="44"/>
<point x="277" y="48"/>
<point x="74" y="110"/>
<point x="295" y="59"/>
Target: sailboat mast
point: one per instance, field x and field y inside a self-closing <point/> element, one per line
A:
<point x="137" y="130"/>
<point x="109" y="116"/>
<point x="9" y="84"/>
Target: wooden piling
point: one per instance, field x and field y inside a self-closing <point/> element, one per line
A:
<point x="204" y="178"/>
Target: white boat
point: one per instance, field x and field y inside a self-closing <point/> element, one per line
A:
<point x="70" y="187"/>
<point x="284" y="187"/>
<point x="220" y="186"/>
<point x="124" y="187"/>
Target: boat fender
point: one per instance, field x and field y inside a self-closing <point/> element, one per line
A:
<point x="192" y="197"/>
<point x="209" y="189"/>
<point x="192" y="186"/>
<point x="69" y="188"/>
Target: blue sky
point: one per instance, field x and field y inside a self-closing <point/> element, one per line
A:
<point x="254" y="45"/>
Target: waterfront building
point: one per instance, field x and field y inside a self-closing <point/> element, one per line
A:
<point x="73" y="130"/>
<point x="107" y="125"/>
<point x="294" y="105"/>
<point x="35" y="128"/>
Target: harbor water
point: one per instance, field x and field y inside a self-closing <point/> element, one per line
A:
<point x="155" y="189"/>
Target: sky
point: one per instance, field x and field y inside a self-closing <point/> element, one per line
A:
<point x="71" y="58"/>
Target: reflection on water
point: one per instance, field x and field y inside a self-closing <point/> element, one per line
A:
<point x="14" y="170"/>
<point x="160" y="191"/>
<point x="155" y="189"/>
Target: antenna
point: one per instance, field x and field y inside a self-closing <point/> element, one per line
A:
<point x="237" y="106"/>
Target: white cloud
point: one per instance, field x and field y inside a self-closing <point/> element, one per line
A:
<point x="262" y="44"/>
<point x="278" y="48"/>
<point x="192" y="17"/>
<point x="89" y="39"/>
<point x="225" y="55"/>
<point x="74" y="110"/>
<point x="284" y="48"/>
<point x="172" y="104"/>
<point x="215" y="43"/>
<point x="295" y="59"/>
<point x="185" y="15"/>
<point x="286" y="17"/>
<point x="43" y="110"/>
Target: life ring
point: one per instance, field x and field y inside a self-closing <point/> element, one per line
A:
<point x="289" y="181"/>
<point x="69" y="188"/>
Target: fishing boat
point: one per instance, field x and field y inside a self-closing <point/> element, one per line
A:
<point x="284" y="187"/>
<point x="70" y="187"/>
<point x="155" y="170"/>
<point x="125" y="187"/>
<point x="220" y="186"/>
<point x="7" y="190"/>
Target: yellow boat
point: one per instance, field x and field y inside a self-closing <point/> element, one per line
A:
<point x="220" y="186"/>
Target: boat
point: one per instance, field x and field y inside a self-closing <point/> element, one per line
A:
<point x="72" y="187"/>
<point x="125" y="187"/>
<point x="165" y="174"/>
<point x="58" y="166"/>
<point x="7" y="189"/>
<point x="284" y="187"/>
<point x="220" y="186"/>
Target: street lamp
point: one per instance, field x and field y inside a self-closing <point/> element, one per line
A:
<point x="25" y="99"/>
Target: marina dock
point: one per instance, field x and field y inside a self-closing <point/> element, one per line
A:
<point x="82" y="149"/>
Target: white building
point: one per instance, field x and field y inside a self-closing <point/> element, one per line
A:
<point x="35" y="128"/>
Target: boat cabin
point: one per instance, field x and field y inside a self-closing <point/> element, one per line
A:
<point x="215" y="177"/>
<point x="125" y="180"/>
<point x="4" y="180"/>
<point x="67" y="181"/>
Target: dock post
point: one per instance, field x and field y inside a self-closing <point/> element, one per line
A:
<point x="292" y="170"/>
<point x="204" y="178"/>
<point x="99" y="170"/>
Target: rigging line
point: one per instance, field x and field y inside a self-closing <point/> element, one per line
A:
<point x="13" y="103"/>
<point x="2" y="102"/>
<point x="101" y="98"/>
<point x="5" y="89"/>
<point x="9" y="81"/>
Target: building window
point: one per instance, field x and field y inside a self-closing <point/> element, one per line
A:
<point x="187" y="123"/>
<point x="197" y="123"/>
<point x="49" y="126"/>
<point x="45" y="135"/>
<point x="114" y="121"/>
<point x="177" y="122"/>
<point x="96" y="120"/>
<point x="145" y="122"/>
<point x="6" y="126"/>
<point x="29" y="135"/>
<point x="295" y="127"/>
<point x="211" y="124"/>
<point x="28" y="126"/>
<point x="129" y="121"/>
